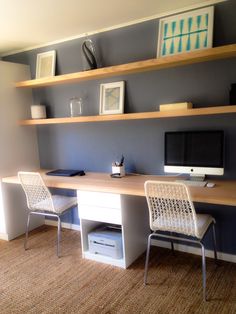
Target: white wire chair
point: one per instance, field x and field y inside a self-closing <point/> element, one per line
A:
<point x="41" y="202"/>
<point x="171" y="209"/>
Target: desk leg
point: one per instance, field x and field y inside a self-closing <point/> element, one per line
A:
<point x="15" y="212"/>
<point x="135" y="227"/>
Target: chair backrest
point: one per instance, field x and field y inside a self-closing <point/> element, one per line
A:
<point x="37" y="194"/>
<point x="171" y="208"/>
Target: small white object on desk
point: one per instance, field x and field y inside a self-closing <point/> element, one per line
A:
<point x="119" y="170"/>
<point x="210" y="185"/>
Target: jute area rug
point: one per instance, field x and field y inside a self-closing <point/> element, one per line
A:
<point x="36" y="281"/>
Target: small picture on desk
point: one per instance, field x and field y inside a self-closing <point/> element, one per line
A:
<point x="112" y="98"/>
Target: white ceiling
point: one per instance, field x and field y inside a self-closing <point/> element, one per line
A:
<point x="29" y="23"/>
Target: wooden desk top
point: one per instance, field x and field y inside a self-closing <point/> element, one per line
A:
<point x="223" y="193"/>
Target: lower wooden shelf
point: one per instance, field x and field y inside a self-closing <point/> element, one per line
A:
<point x="135" y="116"/>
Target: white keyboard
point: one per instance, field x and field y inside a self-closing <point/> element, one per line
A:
<point x="193" y="183"/>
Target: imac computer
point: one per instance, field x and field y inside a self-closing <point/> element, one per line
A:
<point x="197" y="153"/>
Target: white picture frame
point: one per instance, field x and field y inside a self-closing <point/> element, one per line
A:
<point x="185" y="32"/>
<point x="45" y="65"/>
<point x="112" y="98"/>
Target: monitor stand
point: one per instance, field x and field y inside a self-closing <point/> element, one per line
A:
<point x="197" y="177"/>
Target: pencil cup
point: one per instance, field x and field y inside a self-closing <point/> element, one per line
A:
<point x="119" y="170"/>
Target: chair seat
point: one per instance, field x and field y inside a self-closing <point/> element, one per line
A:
<point x="175" y="225"/>
<point x="60" y="202"/>
<point x="203" y="222"/>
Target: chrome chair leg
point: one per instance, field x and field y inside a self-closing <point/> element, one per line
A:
<point x="214" y="242"/>
<point x="147" y="259"/>
<point x="58" y="236"/>
<point x="172" y="247"/>
<point x="27" y="232"/>
<point x="172" y="244"/>
<point x="203" y="272"/>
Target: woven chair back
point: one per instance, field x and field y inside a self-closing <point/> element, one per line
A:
<point x="171" y="208"/>
<point x="37" y="194"/>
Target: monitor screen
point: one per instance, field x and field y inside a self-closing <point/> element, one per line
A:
<point x="200" y="152"/>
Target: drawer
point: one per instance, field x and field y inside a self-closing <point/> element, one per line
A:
<point x="103" y="214"/>
<point x="99" y="199"/>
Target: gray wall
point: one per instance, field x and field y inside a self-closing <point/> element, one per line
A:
<point x="93" y="146"/>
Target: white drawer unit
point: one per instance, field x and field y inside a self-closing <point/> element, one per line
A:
<point x="103" y="214"/>
<point x="99" y="208"/>
<point x="99" y="199"/>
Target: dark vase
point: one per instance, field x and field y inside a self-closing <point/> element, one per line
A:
<point x="88" y="55"/>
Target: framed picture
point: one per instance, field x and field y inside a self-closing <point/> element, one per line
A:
<point x="45" y="66"/>
<point x="185" y="32"/>
<point x="112" y="98"/>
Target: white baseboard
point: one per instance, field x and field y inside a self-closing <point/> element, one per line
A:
<point x="4" y="236"/>
<point x="165" y="244"/>
<point x="63" y="224"/>
<point x="194" y="250"/>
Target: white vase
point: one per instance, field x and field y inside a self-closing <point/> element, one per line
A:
<point x="38" y="112"/>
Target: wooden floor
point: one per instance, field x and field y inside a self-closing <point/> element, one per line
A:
<point x="36" y="281"/>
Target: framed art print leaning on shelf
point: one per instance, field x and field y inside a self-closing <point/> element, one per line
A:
<point x="185" y="32"/>
<point x="45" y="66"/>
<point x="112" y="98"/>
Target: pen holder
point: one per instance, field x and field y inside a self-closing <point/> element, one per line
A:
<point x="119" y="170"/>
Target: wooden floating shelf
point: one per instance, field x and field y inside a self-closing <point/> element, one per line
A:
<point x="197" y="56"/>
<point x="136" y="116"/>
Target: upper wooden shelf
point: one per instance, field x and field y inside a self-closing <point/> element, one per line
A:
<point x="136" y="116"/>
<point x="197" y="56"/>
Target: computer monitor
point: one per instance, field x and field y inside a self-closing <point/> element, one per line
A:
<point x="199" y="153"/>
